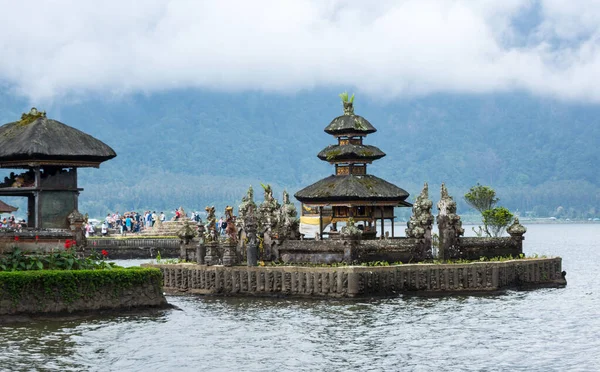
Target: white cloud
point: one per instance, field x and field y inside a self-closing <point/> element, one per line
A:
<point x="50" y="49"/>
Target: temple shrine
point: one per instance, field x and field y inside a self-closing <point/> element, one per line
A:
<point x="351" y="192"/>
<point x="49" y="152"/>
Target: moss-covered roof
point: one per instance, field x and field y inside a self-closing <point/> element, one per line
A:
<point x="350" y="152"/>
<point x="36" y="138"/>
<point x="350" y="124"/>
<point x="352" y="188"/>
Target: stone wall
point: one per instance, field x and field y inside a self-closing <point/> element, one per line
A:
<point x="337" y="251"/>
<point x="315" y="251"/>
<point x="356" y="281"/>
<point x="41" y="241"/>
<point x="89" y="293"/>
<point x="472" y="248"/>
<point x="136" y="248"/>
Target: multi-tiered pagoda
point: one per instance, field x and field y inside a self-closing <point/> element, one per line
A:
<point x="351" y="191"/>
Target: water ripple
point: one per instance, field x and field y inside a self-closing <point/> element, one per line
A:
<point x="543" y="330"/>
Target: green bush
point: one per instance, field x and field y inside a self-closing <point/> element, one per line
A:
<point x="71" y="285"/>
<point x="66" y="259"/>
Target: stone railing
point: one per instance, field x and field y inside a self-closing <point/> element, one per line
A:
<point x="355" y="281"/>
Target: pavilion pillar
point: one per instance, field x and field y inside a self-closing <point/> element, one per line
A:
<point x="392" y="220"/>
<point x="382" y="223"/>
<point x="37" y="210"/>
<point x="321" y="222"/>
<point x="36" y="200"/>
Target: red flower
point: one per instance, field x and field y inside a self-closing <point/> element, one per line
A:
<point x="104" y="252"/>
<point x="16" y="238"/>
<point x="68" y="243"/>
<point x="37" y="238"/>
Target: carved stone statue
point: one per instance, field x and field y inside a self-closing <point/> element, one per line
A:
<point x="231" y="229"/>
<point x="516" y="229"/>
<point x="420" y="223"/>
<point x="76" y="224"/>
<point x="247" y="203"/>
<point x="186" y="233"/>
<point x="268" y="212"/>
<point x="210" y="234"/>
<point x="350" y="231"/>
<point x="251" y="226"/>
<point x="449" y="225"/>
<point x="288" y="219"/>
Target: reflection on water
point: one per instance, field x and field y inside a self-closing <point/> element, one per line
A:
<point x="544" y="330"/>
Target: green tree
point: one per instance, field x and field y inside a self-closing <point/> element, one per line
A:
<point x="481" y="198"/>
<point x="496" y="220"/>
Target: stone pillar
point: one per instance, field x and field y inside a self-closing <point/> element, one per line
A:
<point x="450" y="227"/>
<point x="251" y="227"/>
<point x="212" y="253"/>
<point x="183" y="251"/>
<point x="516" y="232"/>
<point x="76" y="224"/>
<point x="252" y="254"/>
<point x="200" y="253"/>
<point x="229" y="254"/>
<point x="420" y="224"/>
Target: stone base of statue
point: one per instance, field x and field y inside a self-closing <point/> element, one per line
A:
<point x="200" y="254"/>
<point x="251" y="254"/>
<point x="229" y="255"/>
<point x="212" y="254"/>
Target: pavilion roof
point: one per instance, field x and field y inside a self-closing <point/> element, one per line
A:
<point x="350" y="151"/>
<point x="37" y="140"/>
<point x="353" y="188"/>
<point x="350" y="124"/>
<point x="5" y="208"/>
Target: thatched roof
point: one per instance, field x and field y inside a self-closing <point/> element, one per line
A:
<point x="350" y="124"/>
<point x="366" y="188"/>
<point x="36" y="139"/>
<point x="350" y="152"/>
<point x="5" y="208"/>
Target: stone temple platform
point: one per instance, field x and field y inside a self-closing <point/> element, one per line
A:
<point x="362" y="281"/>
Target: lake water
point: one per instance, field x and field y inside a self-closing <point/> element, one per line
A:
<point x="541" y="330"/>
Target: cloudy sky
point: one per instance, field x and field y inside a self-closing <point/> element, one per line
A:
<point x="51" y="49"/>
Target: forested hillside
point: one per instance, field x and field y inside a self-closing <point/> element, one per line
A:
<point x="197" y="148"/>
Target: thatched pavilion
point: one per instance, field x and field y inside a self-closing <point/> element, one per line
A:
<point x="351" y="191"/>
<point x="49" y="152"/>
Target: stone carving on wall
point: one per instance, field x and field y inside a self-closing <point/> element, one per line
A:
<point x="288" y="219"/>
<point x="449" y="225"/>
<point x="210" y="233"/>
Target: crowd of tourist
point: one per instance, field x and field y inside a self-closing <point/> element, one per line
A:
<point x="133" y="222"/>
<point x="128" y="222"/>
<point x="12" y="223"/>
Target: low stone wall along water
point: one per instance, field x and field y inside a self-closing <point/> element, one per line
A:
<point x="357" y="281"/>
